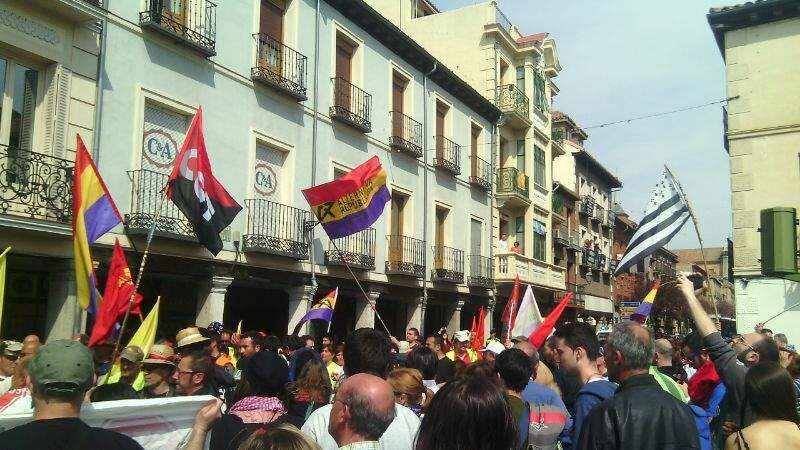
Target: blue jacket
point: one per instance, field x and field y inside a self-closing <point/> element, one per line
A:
<point x="590" y="395"/>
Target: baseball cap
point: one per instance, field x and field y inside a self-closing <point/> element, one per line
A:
<point x="160" y="354"/>
<point x="62" y="368"/>
<point x="189" y="336"/>
<point x="494" y="347"/>
<point x="462" y="336"/>
<point x="132" y="353"/>
<point x="12" y="348"/>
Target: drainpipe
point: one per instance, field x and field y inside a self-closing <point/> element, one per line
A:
<point x="314" y="138"/>
<point x="425" y="184"/>
<point x="98" y="97"/>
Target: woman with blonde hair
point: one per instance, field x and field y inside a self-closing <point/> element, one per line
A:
<point x="281" y="437"/>
<point x="409" y="389"/>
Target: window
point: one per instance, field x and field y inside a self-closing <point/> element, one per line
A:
<point x="268" y="173"/>
<point x="519" y="232"/>
<point x="398" y="213"/>
<point x="475" y="237"/>
<point x="539" y="167"/>
<point x="539" y="241"/>
<point x="163" y="133"/>
<point x="540" y="96"/>
<point x="521" y="155"/>
<point x="521" y="78"/>
<point x="18" y="89"/>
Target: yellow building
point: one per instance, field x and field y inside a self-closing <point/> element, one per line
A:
<point x="760" y="43"/>
<point x="515" y="71"/>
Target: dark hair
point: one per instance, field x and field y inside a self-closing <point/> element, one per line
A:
<point x="367" y="351"/>
<point x="482" y="369"/>
<point x="113" y="391"/>
<point x="766" y="330"/>
<point x="468" y="413"/>
<point x="515" y="368"/>
<point x="271" y="343"/>
<point x="424" y="360"/>
<point x="580" y="334"/>
<point x="794" y="365"/>
<point x="694" y="341"/>
<point x="256" y="337"/>
<point x="437" y="339"/>
<point x="293" y="342"/>
<point x="415" y="330"/>
<point x="365" y="419"/>
<point x="770" y="393"/>
<point x="201" y="363"/>
<point x="314" y="380"/>
<point x="767" y="350"/>
<point x="207" y="333"/>
<point x="307" y="337"/>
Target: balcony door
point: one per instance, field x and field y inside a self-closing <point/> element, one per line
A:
<point x="175" y="11"/>
<point x="441" y="222"/>
<point x="476" y="133"/>
<point x="475" y="237"/>
<point x="18" y="97"/>
<point x="397" y="220"/>
<point x="398" y="105"/>
<point x="344" y="74"/>
<point x="441" y="115"/>
<point x="271" y="40"/>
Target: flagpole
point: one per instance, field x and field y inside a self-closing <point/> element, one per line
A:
<point x="700" y="240"/>
<point x="140" y="274"/>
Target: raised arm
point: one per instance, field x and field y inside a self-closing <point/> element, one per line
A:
<point x="705" y="325"/>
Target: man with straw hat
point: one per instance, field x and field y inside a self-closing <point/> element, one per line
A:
<point x="158" y="368"/>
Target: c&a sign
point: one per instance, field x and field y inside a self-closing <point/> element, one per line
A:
<point x="266" y="181"/>
<point x="159" y="148"/>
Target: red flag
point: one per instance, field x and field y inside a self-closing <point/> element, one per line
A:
<point x="511" y="307"/>
<point x="194" y="190"/>
<point x="539" y="335"/>
<point x="479" y="342"/>
<point x="116" y="296"/>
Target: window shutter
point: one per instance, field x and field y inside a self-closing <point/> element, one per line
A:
<point x="56" y="110"/>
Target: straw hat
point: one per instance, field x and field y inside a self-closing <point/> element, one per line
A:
<point x="160" y="354"/>
<point x="189" y="336"/>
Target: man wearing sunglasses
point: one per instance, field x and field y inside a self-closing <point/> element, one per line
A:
<point x="731" y="362"/>
<point x="9" y="354"/>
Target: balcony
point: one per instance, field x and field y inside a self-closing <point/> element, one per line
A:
<point x="189" y="22"/>
<point x="35" y="185"/>
<point x="351" y="105"/>
<point x="448" y="155"/>
<point x="481" y="272"/>
<point x="356" y="251"/>
<point x="577" y="301"/>
<point x="612" y="265"/>
<point x="406" y="256"/>
<point x="448" y="264"/>
<point x="481" y="172"/>
<point x="561" y="236"/>
<point x="515" y="106"/>
<point x="146" y="191"/>
<point x="589" y="258"/>
<point x="501" y="20"/>
<point x="601" y="263"/>
<point x="406" y="134"/>
<point x="587" y="206"/>
<point x="558" y="209"/>
<point x="275" y="229"/>
<point x="512" y="188"/>
<point x="510" y="265"/>
<point x="280" y="67"/>
<point x="599" y="214"/>
<point x="574" y="244"/>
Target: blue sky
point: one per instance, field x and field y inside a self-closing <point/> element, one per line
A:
<point x="628" y="58"/>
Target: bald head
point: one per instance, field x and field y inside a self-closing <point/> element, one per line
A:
<point x="628" y="350"/>
<point x="30" y="345"/>
<point x="31" y="338"/>
<point x="362" y="410"/>
<point x="529" y="350"/>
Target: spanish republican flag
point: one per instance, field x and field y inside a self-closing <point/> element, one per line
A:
<point x="353" y="202"/>
<point x="93" y="215"/>
<point x="647" y="304"/>
<point x="322" y="309"/>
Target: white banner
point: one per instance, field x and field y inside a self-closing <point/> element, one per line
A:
<point x="159" y="423"/>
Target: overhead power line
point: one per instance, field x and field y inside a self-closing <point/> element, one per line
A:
<point x="664" y="113"/>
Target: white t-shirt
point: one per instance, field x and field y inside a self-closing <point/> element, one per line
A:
<point x="502" y="246"/>
<point x="399" y="436"/>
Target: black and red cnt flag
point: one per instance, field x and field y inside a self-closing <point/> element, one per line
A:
<point x="195" y="191"/>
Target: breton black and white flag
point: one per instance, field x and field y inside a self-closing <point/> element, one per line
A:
<point x="664" y="216"/>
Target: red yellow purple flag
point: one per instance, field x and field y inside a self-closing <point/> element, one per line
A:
<point x="353" y="202"/>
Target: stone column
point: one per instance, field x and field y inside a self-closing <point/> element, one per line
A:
<point x="211" y="301"/>
<point x="64" y="315"/>
<point x="365" y="316"/>
<point x="455" y="316"/>
<point x="300" y="298"/>
<point x="489" y="314"/>
<point x="415" y="314"/>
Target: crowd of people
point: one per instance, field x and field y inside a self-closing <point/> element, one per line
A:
<point x="373" y="391"/>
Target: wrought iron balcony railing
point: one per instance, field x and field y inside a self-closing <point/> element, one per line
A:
<point x="558" y="206"/>
<point x="574" y="241"/>
<point x="35" y="185"/>
<point x="501" y="20"/>
<point x="481" y="174"/>
<point x="587" y="205"/>
<point x="599" y="215"/>
<point x="601" y="263"/>
<point x="512" y="181"/>
<point x="280" y="66"/>
<point x="356" y="250"/>
<point x="406" y="134"/>
<point x="612" y="265"/>
<point x="275" y="229"/>
<point x="351" y="105"/>
<point x="510" y="99"/>
<point x="589" y="258"/>
<point x="481" y="272"/>
<point x="561" y="235"/>
<point x="406" y="256"/>
<point x="448" y="155"/>
<point x="191" y="22"/>
<point x="448" y="264"/>
<point x="146" y="190"/>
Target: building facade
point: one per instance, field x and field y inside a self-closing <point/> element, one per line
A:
<point x="515" y="72"/>
<point x="588" y="187"/>
<point x="49" y="53"/>
<point x="292" y="97"/>
<point x="759" y="43"/>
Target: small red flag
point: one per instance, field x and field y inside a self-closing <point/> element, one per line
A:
<point x="116" y="296"/>
<point x="539" y="335"/>
<point x="479" y="342"/>
<point x="511" y="307"/>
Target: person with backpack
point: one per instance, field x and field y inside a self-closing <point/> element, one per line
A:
<point x="578" y="350"/>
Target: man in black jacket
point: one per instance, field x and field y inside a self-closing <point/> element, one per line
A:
<point x="640" y="415"/>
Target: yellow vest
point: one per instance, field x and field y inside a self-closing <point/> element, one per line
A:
<point x="470" y="353"/>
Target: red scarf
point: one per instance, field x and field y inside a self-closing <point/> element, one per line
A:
<point x="702" y="384"/>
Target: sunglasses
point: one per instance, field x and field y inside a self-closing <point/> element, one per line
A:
<point x="739" y="339"/>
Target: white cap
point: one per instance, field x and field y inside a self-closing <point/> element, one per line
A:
<point x="494" y="347"/>
<point x="462" y="336"/>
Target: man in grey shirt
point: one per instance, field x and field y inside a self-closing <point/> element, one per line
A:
<point x="367" y="351"/>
